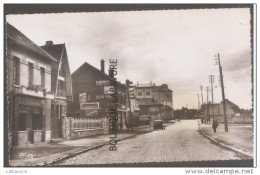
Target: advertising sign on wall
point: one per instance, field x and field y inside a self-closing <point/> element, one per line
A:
<point x="85" y="106"/>
<point x="109" y="89"/>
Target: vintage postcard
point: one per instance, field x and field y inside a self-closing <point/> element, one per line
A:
<point x="137" y="85"/>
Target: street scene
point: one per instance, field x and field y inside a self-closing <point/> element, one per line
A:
<point x="179" y="142"/>
<point x="162" y="88"/>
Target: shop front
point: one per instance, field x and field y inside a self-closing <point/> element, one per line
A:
<point x="31" y="123"/>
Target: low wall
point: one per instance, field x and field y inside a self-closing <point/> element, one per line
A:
<point x="85" y="133"/>
<point x="47" y="136"/>
<point x="22" y="137"/>
<point x="37" y="136"/>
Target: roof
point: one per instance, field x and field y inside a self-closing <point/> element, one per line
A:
<point x="19" y="38"/>
<point x="58" y="51"/>
<point x="55" y="50"/>
<point x="221" y="103"/>
<point x="96" y="70"/>
<point x="228" y="101"/>
<point x="236" y="109"/>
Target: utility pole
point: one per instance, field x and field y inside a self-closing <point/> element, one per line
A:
<point x="208" y="105"/>
<point x="211" y="80"/>
<point x="198" y="101"/>
<point x="128" y="82"/>
<point x="202" y="107"/>
<point x="201" y="88"/>
<point x="217" y="59"/>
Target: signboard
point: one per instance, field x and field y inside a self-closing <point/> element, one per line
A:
<point x="91" y="113"/>
<point x="103" y="82"/>
<point x="82" y="98"/>
<point x="109" y="90"/>
<point x="98" y="97"/>
<point x="85" y="106"/>
<point x="30" y="101"/>
<point x="30" y="108"/>
<point x="131" y="92"/>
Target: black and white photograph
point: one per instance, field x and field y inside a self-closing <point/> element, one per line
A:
<point x="137" y="85"/>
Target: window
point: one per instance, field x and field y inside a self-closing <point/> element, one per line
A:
<point x="60" y="85"/>
<point x="30" y="74"/>
<point x="119" y="98"/>
<point x="42" y="77"/>
<point x="16" y="63"/>
<point x="61" y="89"/>
<point x="89" y="96"/>
<point x="124" y="99"/>
<point x="139" y="93"/>
<point x="36" y="122"/>
<point x="22" y="122"/>
<point x="148" y="93"/>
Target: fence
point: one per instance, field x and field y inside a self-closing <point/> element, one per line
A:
<point x="83" y="127"/>
<point x="85" y="123"/>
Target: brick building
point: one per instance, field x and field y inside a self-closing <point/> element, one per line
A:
<point x="61" y="86"/>
<point x="29" y="90"/>
<point x="91" y="94"/>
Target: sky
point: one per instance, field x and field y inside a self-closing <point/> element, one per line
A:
<point x="174" y="47"/>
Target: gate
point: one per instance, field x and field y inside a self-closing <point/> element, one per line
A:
<point x="55" y="127"/>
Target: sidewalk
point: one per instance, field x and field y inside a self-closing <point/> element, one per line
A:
<point x="238" y="137"/>
<point x="42" y="154"/>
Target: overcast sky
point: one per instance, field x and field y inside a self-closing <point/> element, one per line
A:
<point x="175" y="47"/>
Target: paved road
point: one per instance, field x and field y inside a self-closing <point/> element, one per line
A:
<point x="179" y="142"/>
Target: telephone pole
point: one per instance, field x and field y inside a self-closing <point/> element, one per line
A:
<point x="208" y="104"/>
<point x="217" y="59"/>
<point x="202" y="107"/>
<point x="201" y="89"/>
<point x="211" y="80"/>
<point x="198" y="101"/>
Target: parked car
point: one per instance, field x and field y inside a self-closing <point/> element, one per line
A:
<point x="158" y="124"/>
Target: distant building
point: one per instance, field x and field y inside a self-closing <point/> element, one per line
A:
<point x="234" y="113"/>
<point x="29" y="89"/>
<point x="61" y="86"/>
<point x="91" y="94"/>
<point x="134" y="107"/>
<point x="154" y="101"/>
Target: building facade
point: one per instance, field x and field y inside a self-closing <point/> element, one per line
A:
<point x="29" y="92"/>
<point x="61" y="86"/>
<point x="233" y="112"/>
<point x="91" y="94"/>
<point x="154" y="101"/>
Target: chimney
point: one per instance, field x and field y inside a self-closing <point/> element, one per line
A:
<point x="102" y="62"/>
<point x="48" y="43"/>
